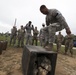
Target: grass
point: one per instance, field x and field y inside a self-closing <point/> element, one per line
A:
<point x="63" y="49"/>
<point x="3" y="37"/>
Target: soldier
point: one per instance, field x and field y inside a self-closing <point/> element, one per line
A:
<point x="41" y="35"/>
<point x="35" y="38"/>
<point x="55" y="22"/>
<point x="28" y="28"/>
<point x="59" y="40"/>
<point x="69" y="43"/>
<point x="21" y="34"/>
<point x="13" y="35"/>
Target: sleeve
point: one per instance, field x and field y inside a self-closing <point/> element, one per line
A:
<point x="32" y="27"/>
<point x="61" y="19"/>
<point x="47" y="22"/>
<point x="26" y="26"/>
<point x="55" y="13"/>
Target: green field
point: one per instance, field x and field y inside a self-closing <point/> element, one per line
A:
<point x="3" y="38"/>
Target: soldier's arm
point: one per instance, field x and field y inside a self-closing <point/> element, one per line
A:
<point x="62" y="21"/>
<point x="26" y="26"/>
<point x="32" y="27"/>
<point x="55" y="13"/>
<point x="47" y="22"/>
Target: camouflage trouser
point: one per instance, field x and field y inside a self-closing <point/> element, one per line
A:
<point x="42" y="41"/>
<point x="28" y="39"/>
<point x="34" y="40"/>
<point x="68" y="46"/>
<point x="52" y="29"/>
<point x="46" y="41"/>
<point x="12" y="39"/>
<point x="58" y="46"/>
<point x="21" y="41"/>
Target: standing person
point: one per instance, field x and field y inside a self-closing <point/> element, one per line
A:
<point x="43" y="36"/>
<point x="28" y="28"/>
<point x="59" y="40"/>
<point x="69" y="43"/>
<point x="35" y="36"/>
<point x="13" y="35"/>
<point x="21" y="35"/>
<point x="54" y="22"/>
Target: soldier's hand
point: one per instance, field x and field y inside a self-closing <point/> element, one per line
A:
<point x="68" y="31"/>
<point x="32" y="26"/>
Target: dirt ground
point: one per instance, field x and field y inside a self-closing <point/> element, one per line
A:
<point x="10" y="63"/>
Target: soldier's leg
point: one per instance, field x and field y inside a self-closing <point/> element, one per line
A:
<point x="11" y="38"/>
<point x="32" y="40"/>
<point x="51" y="31"/>
<point x="19" y="39"/>
<point x="22" y="41"/>
<point x="27" y="38"/>
<point x="36" y="41"/>
<point x="45" y="41"/>
<point x="66" y="48"/>
<point x="71" y="49"/>
<point x="14" y="40"/>
<point x="40" y="41"/>
<point x="58" y="46"/>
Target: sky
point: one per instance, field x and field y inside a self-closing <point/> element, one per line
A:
<point x="28" y="10"/>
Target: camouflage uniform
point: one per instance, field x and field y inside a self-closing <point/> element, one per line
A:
<point x="69" y="43"/>
<point x="59" y="40"/>
<point x="21" y="34"/>
<point x="55" y="22"/>
<point x="28" y="28"/>
<point x="13" y="35"/>
<point x="35" y="38"/>
<point x="41" y="36"/>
